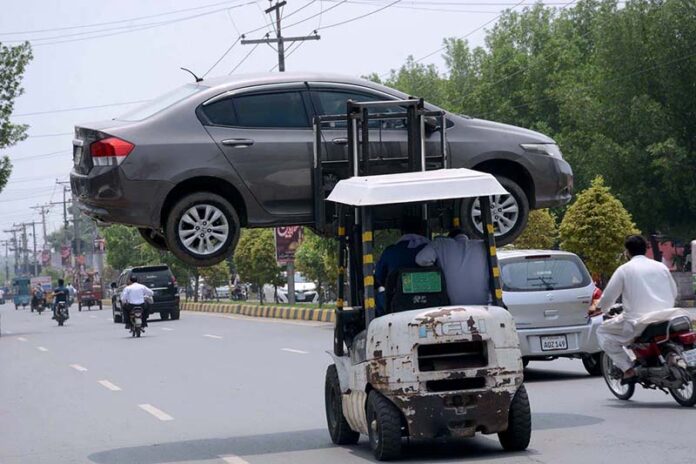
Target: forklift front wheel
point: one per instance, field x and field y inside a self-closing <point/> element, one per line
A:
<point x="519" y="431"/>
<point x="340" y="431"/>
<point x="384" y="427"/>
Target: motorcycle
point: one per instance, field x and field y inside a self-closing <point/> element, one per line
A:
<point x="136" y="321"/>
<point x="665" y="355"/>
<point x="62" y="314"/>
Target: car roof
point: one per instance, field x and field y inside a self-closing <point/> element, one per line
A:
<point x="514" y="253"/>
<point x="408" y="187"/>
<point x="243" y="80"/>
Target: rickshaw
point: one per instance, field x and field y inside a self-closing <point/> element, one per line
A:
<point x="88" y="290"/>
<point x="21" y="291"/>
<point x="425" y="369"/>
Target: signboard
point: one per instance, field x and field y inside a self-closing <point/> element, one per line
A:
<point x="287" y="239"/>
<point x="46" y="258"/>
<point x="44" y="281"/>
<point x="65" y="255"/>
<point x="99" y="245"/>
<point x="421" y="282"/>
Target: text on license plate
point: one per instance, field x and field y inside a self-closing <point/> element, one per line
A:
<point x="554" y="342"/>
<point x="690" y="357"/>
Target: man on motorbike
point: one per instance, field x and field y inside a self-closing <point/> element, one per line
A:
<point x="60" y="293"/>
<point x="134" y="295"/>
<point x="645" y="286"/>
<point x="37" y="297"/>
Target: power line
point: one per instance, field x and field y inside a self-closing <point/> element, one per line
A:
<point x="244" y="59"/>
<point x="79" y="108"/>
<point x="223" y="56"/>
<point x="341" y="2"/>
<point x="340" y="23"/>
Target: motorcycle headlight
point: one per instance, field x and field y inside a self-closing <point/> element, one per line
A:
<point x="550" y="149"/>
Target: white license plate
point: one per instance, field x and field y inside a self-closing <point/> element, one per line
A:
<point x="690" y="357"/>
<point x="554" y="342"/>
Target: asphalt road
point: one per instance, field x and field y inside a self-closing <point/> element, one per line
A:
<point x="227" y="389"/>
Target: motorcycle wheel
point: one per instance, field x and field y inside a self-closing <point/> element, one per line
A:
<point x="686" y="395"/>
<point x="60" y="323"/>
<point x="622" y="392"/>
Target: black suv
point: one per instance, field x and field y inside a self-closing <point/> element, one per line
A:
<point x="160" y="280"/>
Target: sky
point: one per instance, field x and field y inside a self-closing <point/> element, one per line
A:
<point x="91" y="53"/>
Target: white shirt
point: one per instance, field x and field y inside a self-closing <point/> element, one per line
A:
<point x="646" y="286"/>
<point x="135" y="294"/>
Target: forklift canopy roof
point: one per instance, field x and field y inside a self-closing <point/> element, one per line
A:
<point x="408" y="187"/>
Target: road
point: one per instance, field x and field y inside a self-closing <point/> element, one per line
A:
<point x="229" y="389"/>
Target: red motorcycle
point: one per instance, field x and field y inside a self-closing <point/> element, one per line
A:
<point x="665" y="355"/>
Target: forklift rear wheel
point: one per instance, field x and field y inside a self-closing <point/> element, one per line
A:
<point x="519" y="431"/>
<point x="340" y="431"/>
<point x="384" y="427"/>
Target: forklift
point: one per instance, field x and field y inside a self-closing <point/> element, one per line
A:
<point x="424" y="369"/>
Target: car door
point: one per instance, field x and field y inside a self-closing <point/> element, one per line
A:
<point x="265" y="133"/>
<point x="546" y="290"/>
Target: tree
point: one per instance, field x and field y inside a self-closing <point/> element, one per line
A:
<point x="255" y="258"/>
<point x="595" y="227"/>
<point x="216" y="276"/>
<point x="124" y="247"/>
<point x="317" y="259"/>
<point x="13" y="62"/>
<point x="541" y="232"/>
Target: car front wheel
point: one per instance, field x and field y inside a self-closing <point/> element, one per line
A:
<point x="509" y="213"/>
<point x="202" y="229"/>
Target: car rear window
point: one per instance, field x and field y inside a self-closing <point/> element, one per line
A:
<point x="162" y="102"/>
<point x="153" y="277"/>
<point x="543" y="273"/>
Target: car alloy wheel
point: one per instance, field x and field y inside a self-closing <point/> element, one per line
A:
<point x="504" y="210"/>
<point x="203" y="229"/>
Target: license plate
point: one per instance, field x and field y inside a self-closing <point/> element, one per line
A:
<point x="690" y="357"/>
<point x="554" y="342"/>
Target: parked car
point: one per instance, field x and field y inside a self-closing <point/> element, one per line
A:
<point x="190" y="168"/>
<point x="305" y="291"/>
<point x="160" y="280"/>
<point x="548" y="294"/>
<point x="223" y="292"/>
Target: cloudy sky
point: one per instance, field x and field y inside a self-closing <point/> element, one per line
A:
<point x="97" y="55"/>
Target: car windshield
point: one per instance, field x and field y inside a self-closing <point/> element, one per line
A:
<point x="543" y="273"/>
<point x="160" y="103"/>
<point x="153" y="277"/>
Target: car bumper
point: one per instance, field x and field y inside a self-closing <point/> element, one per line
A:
<point x="582" y="339"/>
<point x="554" y="186"/>
<point x="108" y="196"/>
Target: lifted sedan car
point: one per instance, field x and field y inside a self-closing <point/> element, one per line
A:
<point x="548" y="293"/>
<point x="190" y="168"/>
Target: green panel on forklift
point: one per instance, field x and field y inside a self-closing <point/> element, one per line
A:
<point x="421" y="282"/>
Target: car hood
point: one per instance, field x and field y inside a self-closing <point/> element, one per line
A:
<point x="505" y="130"/>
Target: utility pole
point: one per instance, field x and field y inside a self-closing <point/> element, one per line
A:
<point x="14" y="231"/>
<point x="43" y="209"/>
<point x="7" y="259"/>
<point x="279" y="39"/>
<point x="36" y="261"/>
<point x="65" y="202"/>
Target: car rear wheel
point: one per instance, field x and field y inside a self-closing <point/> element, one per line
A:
<point x="154" y="238"/>
<point x="202" y="229"/>
<point x="509" y="212"/>
<point x="164" y="315"/>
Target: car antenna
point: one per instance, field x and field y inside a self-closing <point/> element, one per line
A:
<point x="198" y="79"/>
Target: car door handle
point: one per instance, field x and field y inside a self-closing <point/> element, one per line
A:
<point x="238" y="143"/>
<point x="340" y="141"/>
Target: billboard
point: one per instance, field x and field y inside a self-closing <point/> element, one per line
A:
<point x="287" y="239"/>
<point x="65" y="255"/>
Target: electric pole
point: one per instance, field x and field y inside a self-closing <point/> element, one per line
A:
<point x="279" y="39"/>
<point x="43" y="209"/>
<point x="7" y="259"/>
<point x="65" y="202"/>
<point x="14" y="231"/>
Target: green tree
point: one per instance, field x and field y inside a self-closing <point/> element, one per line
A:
<point x="595" y="227"/>
<point x="216" y="276"/>
<point x="317" y="259"/>
<point x="541" y="232"/>
<point x="255" y="258"/>
<point x="13" y="62"/>
<point x="125" y="247"/>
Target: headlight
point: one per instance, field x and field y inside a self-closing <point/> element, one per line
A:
<point x="550" y="149"/>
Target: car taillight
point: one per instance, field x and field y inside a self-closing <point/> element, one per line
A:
<point x="110" y="151"/>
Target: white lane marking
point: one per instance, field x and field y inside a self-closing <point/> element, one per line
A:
<point x="233" y="460"/>
<point x="79" y="368"/>
<point x="109" y="385"/>
<point x="168" y="329"/>
<point x="217" y="337"/>
<point x="21" y="339"/>
<point x="290" y="350"/>
<point x="41" y="348"/>
<point x="158" y="413"/>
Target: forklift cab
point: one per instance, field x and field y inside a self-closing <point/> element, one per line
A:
<point x="426" y="369"/>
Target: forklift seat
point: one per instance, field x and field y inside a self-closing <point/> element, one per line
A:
<point x="415" y="288"/>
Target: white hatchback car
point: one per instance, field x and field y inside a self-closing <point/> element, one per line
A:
<point x="548" y="293"/>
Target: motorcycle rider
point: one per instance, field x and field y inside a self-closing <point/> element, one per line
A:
<point x="60" y="293"/>
<point x="37" y="296"/>
<point x="645" y="286"/>
<point x="134" y="295"/>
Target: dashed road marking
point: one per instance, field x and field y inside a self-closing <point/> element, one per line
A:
<point x="233" y="460"/>
<point x="158" y="413"/>
<point x="109" y="385"/>
<point x="168" y="329"/>
<point x="290" y="350"/>
<point x="21" y="339"/>
<point x="79" y="368"/>
<point x="217" y="337"/>
<point x="41" y="348"/>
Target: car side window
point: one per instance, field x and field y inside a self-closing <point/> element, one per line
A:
<point x="221" y="113"/>
<point x="334" y="102"/>
<point x="271" y="110"/>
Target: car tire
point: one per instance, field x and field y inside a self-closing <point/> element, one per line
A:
<point x="593" y="364"/>
<point x="175" y="224"/>
<point x="474" y="229"/>
<point x="164" y="315"/>
<point x="384" y="427"/>
<point x="174" y="315"/>
<point x="340" y="431"/>
<point x="153" y="238"/>
<point x="519" y="431"/>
